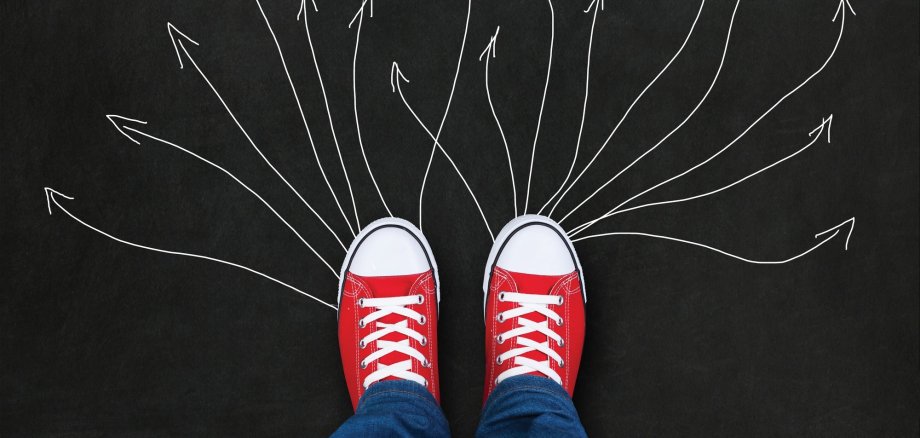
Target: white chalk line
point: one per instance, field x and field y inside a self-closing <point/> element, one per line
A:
<point x="489" y="52"/>
<point x="50" y="196"/>
<point x="303" y="117"/>
<point x="840" y="8"/>
<point x="450" y="98"/>
<point x="322" y="87"/>
<point x="629" y="110"/>
<point x="395" y="77"/>
<point x="354" y="92"/>
<point x="598" y="5"/>
<point x="712" y="84"/>
<point x="549" y="69"/>
<point x="177" y="43"/>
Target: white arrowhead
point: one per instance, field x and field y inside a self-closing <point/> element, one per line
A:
<point x="395" y="75"/>
<point x="840" y="7"/>
<point x="174" y="35"/>
<point x="303" y="8"/>
<point x="49" y="197"/>
<point x="825" y="124"/>
<point x="360" y="13"/>
<point x="595" y="3"/>
<point x="852" y="224"/>
<point x="112" y="118"/>
<point x="490" y="48"/>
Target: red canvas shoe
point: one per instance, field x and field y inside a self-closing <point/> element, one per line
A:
<point x="388" y="308"/>
<point x="534" y="304"/>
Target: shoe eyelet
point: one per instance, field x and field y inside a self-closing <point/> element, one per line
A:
<point x="500" y="339"/>
<point x="421" y="298"/>
<point x="361" y="302"/>
<point x="426" y="364"/>
<point x="424" y="341"/>
<point x="363" y="366"/>
<point x="423" y="320"/>
<point x="361" y="323"/>
<point x="498" y="360"/>
<point x="561" y="300"/>
<point x="362" y="344"/>
<point x="561" y="343"/>
<point x="501" y="296"/>
<point x="559" y="322"/>
<point x="561" y="364"/>
<point x="500" y="317"/>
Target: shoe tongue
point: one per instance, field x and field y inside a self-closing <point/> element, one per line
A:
<point x="533" y="283"/>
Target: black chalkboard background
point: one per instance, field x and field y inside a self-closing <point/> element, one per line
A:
<point x="98" y="338"/>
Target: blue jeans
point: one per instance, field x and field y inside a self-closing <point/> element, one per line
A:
<point x="519" y="406"/>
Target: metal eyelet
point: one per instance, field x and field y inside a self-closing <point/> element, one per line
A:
<point x="561" y="300"/>
<point x="560" y="342"/>
<point x="421" y="299"/>
<point x="500" y="317"/>
<point x="559" y="321"/>
<point x="498" y="360"/>
<point x="361" y="323"/>
<point x="362" y="344"/>
<point x="426" y="364"/>
<point x="423" y="320"/>
<point x="363" y="364"/>
<point x="424" y="341"/>
<point x="361" y="302"/>
<point x="501" y="296"/>
<point x="500" y="339"/>
<point x="561" y="364"/>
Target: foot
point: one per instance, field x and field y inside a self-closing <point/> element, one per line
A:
<point x="388" y="308"/>
<point x="534" y="304"/>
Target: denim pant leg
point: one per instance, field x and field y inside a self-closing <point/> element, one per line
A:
<point x="529" y="406"/>
<point x="397" y="408"/>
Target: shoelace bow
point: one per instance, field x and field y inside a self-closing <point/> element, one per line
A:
<point x="527" y="304"/>
<point x="385" y="307"/>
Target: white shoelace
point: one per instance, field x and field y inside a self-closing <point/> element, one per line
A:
<point x="530" y="303"/>
<point x="385" y="307"/>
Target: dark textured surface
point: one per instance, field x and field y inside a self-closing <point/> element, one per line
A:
<point x="97" y="338"/>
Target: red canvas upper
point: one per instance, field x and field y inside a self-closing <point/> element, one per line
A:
<point x="356" y="287"/>
<point x="572" y="329"/>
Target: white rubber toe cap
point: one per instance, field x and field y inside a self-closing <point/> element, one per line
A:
<point x="536" y="248"/>
<point x="388" y="250"/>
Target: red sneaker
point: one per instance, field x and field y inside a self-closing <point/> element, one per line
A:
<point x="388" y="308"/>
<point x="534" y="304"/>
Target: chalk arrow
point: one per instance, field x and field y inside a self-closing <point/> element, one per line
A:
<point x="303" y="8"/>
<point x="815" y="134"/>
<point x="147" y="136"/>
<point x="826" y="123"/>
<point x="360" y="14"/>
<point x="840" y="7"/>
<point x="832" y="232"/>
<point x="177" y="37"/>
<point x="490" y="48"/>
<point x="112" y="118"/>
<point x="769" y="110"/>
<point x="395" y="75"/>
<point x="50" y="196"/>
<point x="851" y="223"/>
<point x="595" y="4"/>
